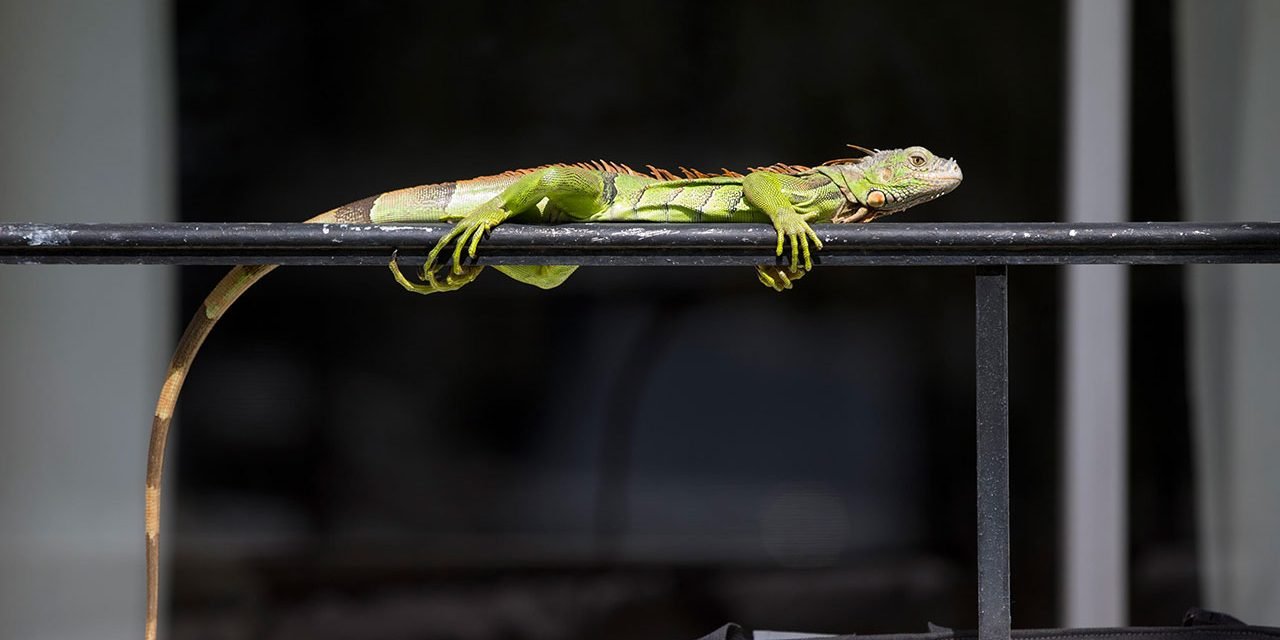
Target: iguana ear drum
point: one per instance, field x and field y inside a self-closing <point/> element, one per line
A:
<point x="875" y="199"/>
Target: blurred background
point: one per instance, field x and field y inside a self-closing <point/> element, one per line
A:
<point x="647" y="453"/>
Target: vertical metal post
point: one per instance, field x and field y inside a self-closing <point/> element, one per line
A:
<point x="992" y="333"/>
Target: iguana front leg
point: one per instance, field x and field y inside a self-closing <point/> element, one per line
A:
<point x="578" y="192"/>
<point x="763" y="190"/>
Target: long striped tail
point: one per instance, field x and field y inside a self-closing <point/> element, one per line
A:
<point x="224" y="294"/>
<point x="215" y="305"/>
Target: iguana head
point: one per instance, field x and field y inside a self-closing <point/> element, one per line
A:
<point x="889" y="181"/>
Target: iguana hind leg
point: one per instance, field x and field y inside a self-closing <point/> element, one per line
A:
<point x="430" y="284"/>
<point x="574" y="191"/>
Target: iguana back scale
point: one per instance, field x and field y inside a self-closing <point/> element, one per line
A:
<point x="630" y="195"/>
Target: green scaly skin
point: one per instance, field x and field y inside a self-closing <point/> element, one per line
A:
<point x="789" y="197"/>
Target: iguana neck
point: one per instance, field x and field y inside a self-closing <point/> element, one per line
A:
<point x="851" y="183"/>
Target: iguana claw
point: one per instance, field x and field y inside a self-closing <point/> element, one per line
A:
<point x="778" y="277"/>
<point x="451" y="282"/>
<point x="467" y="233"/>
<point x="795" y="227"/>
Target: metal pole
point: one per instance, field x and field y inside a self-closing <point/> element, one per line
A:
<point x="597" y="244"/>
<point x="992" y="333"/>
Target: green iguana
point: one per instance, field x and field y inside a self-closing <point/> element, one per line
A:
<point x="788" y="196"/>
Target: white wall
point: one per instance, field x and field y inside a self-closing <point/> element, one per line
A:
<point x="1230" y="97"/>
<point x="84" y="137"/>
<point x="1095" y="324"/>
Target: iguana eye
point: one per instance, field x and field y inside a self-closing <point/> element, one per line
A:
<point x="916" y="159"/>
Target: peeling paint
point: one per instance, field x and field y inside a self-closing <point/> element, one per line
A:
<point x="40" y="236"/>
<point x="641" y="232"/>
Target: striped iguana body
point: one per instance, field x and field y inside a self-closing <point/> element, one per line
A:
<point x="787" y="196"/>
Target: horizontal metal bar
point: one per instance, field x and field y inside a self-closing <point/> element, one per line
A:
<point x="644" y="244"/>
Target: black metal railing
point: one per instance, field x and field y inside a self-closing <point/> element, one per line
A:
<point x="991" y="247"/>
<point x="644" y="244"/>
